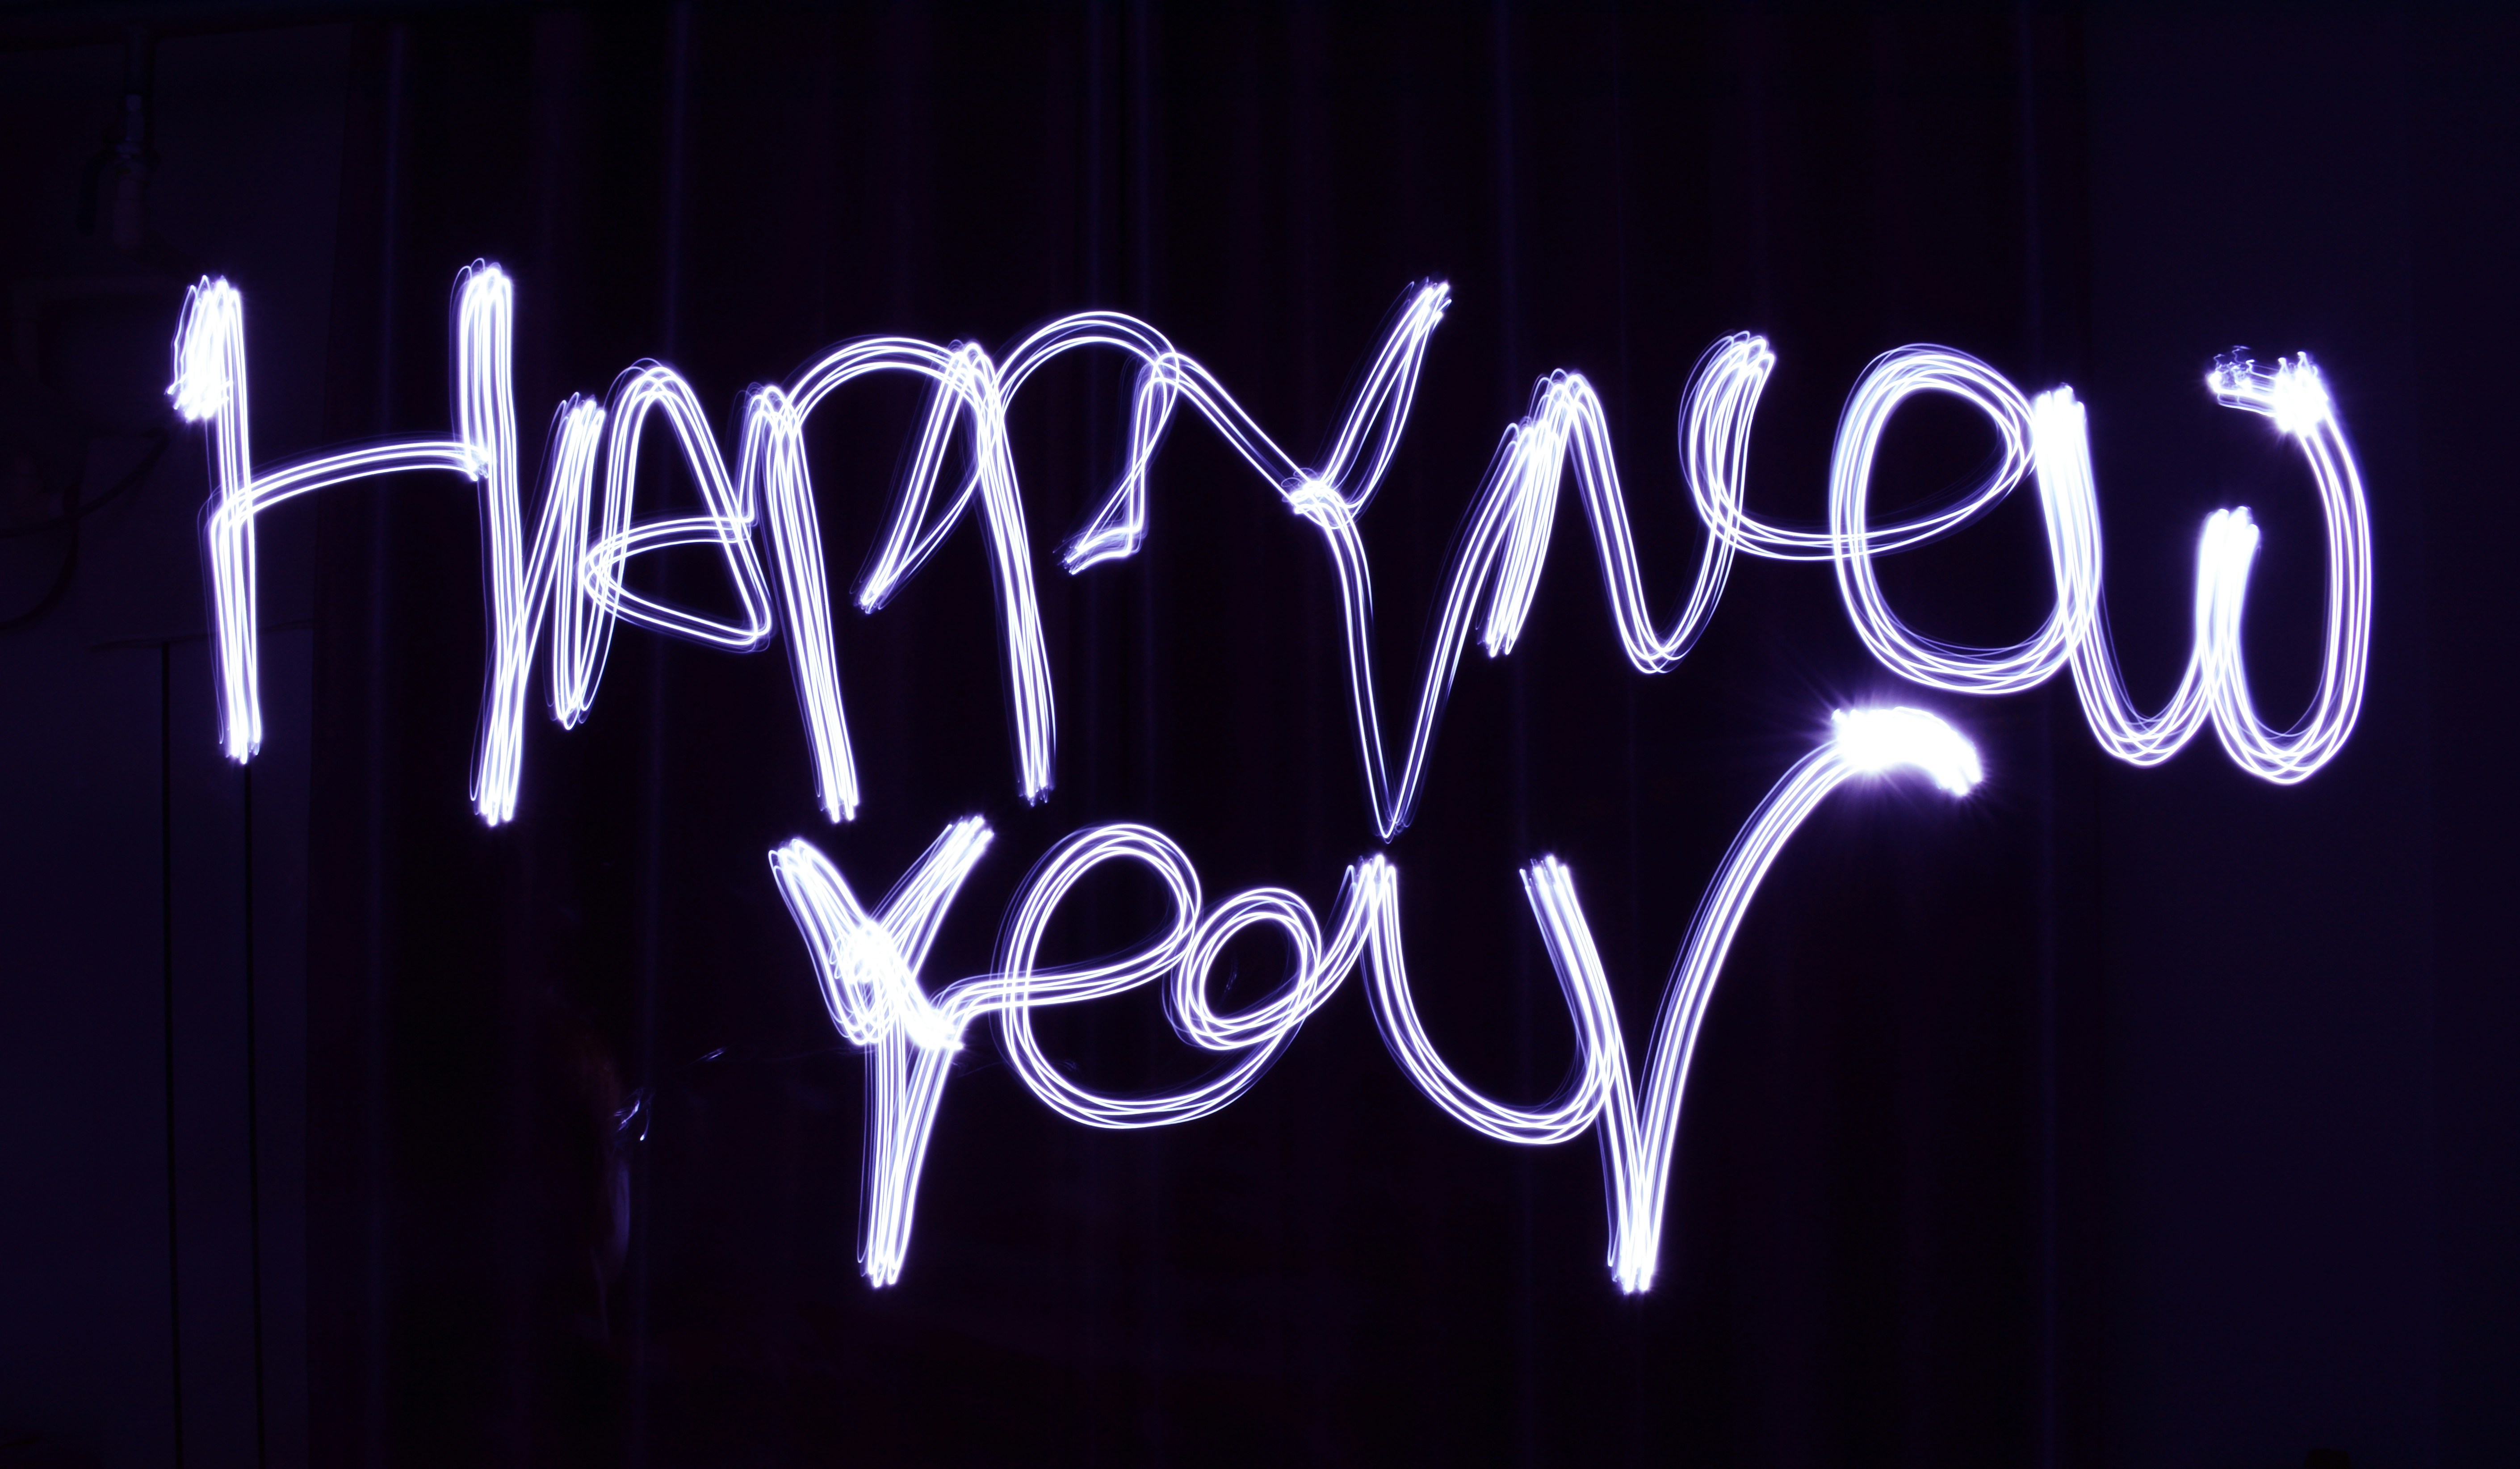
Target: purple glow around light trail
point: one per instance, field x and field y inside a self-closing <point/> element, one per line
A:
<point x="869" y="962"/>
<point x="565" y="573"/>
<point x="569" y="572"/>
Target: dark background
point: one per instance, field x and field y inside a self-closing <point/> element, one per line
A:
<point x="2110" y="1118"/>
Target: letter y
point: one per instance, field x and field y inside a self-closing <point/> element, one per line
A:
<point x="868" y="965"/>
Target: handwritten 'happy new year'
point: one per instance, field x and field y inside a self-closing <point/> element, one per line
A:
<point x="560" y="582"/>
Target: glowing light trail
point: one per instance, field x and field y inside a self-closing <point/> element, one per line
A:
<point x="209" y="385"/>
<point x="2216" y="684"/>
<point x="869" y="964"/>
<point x="572" y="573"/>
<point x="566" y="575"/>
<point x="570" y="577"/>
<point x="1638" y="1133"/>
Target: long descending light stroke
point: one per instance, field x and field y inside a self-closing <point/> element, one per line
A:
<point x="965" y="392"/>
<point x="525" y="588"/>
<point x="1639" y="1134"/>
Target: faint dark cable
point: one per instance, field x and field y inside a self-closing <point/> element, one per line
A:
<point x="72" y="512"/>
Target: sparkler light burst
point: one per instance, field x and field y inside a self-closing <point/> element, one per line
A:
<point x="562" y="579"/>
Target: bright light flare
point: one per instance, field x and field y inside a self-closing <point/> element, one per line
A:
<point x="1872" y="741"/>
<point x="1638" y="1132"/>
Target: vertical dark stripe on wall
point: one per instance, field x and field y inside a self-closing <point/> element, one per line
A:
<point x="2046" y="1137"/>
<point x="649" y="957"/>
<point x="1144" y="280"/>
<point x="166" y="941"/>
<point x="252" y="1123"/>
<point x="1502" y="44"/>
<point x="373" y="1014"/>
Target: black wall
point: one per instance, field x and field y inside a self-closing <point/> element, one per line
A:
<point x="2112" y="1116"/>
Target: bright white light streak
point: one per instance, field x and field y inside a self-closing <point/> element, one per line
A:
<point x="969" y="397"/>
<point x="1889" y="382"/>
<point x="2215" y="685"/>
<point x="725" y="525"/>
<point x="2072" y="525"/>
<point x="1599" y="1076"/>
<point x="1351" y="468"/>
<point x="209" y="384"/>
<point x="570" y="572"/>
<point x="1186" y="950"/>
<point x="567" y="573"/>
<point x="773" y="459"/>
<point x="867" y="964"/>
<point x="573" y="573"/>
<point x="1495" y="571"/>
<point x="1639" y="1134"/>
<point x="869" y="967"/>
<point x="525" y="587"/>
<point x="966" y="397"/>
